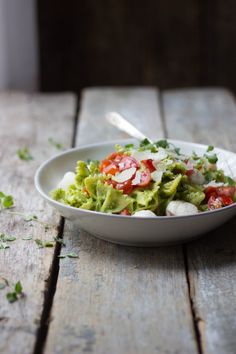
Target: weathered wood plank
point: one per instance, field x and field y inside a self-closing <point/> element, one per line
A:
<point x="209" y="116"/>
<point x="116" y="299"/>
<point x="27" y="120"/>
<point x="139" y="106"/>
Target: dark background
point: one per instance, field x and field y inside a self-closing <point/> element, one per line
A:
<point x="166" y="43"/>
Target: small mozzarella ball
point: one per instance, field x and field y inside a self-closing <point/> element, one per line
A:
<point x="180" y="208"/>
<point x="67" y="180"/>
<point x="144" y="213"/>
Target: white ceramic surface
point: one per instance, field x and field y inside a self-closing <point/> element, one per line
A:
<point x="126" y="230"/>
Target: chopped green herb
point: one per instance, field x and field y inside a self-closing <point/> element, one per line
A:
<point x="43" y="244"/>
<point x="4" y="239"/>
<point x="210" y="148"/>
<point x="162" y="143"/>
<point x="27" y="238"/>
<point x="145" y="142"/>
<point x="30" y="218"/>
<point x="59" y="240"/>
<point x="6" y="201"/>
<point x="212" y="158"/>
<point x="24" y="154"/>
<point x="57" y="145"/>
<point x="69" y="255"/>
<point x="14" y="295"/>
<point x="3" y="283"/>
<point x="4" y="245"/>
<point x="129" y="146"/>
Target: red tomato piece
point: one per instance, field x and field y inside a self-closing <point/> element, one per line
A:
<point x="145" y="179"/>
<point x="125" y="212"/>
<point x="126" y="186"/>
<point x="219" y="202"/>
<point x="214" y="203"/>
<point x="226" y="200"/>
<point x="226" y="191"/>
<point x="115" y="156"/>
<point x="210" y="191"/>
<point x="148" y="163"/>
<point x="127" y="162"/>
<point x="108" y="167"/>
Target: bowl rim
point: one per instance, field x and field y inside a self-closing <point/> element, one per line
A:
<point x="44" y="165"/>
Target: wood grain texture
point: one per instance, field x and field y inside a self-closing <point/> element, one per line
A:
<point x="138" y="105"/>
<point x="27" y="120"/>
<point x="117" y="299"/>
<point x="209" y="116"/>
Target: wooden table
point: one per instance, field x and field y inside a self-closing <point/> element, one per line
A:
<point x="112" y="299"/>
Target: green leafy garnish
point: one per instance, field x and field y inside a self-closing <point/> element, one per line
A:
<point x="210" y="148"/>
<point x="59" y="240"/>
<point x="6" y="201"/>
<point x="212" y="158"/>
<point x="4" y="239"/>
<point x="30" y="218"/>
<point x="162" y="143"/>
<point x="57" y="145"/>
<point x="69" y="255"/>
<point x="3" y="283"/>
<point x="144" y="142"/>
<point x="43" y="244"/>
<point x="24" y="154"/>
<point x="14" y="295"/>
<point x="27" y="238"/>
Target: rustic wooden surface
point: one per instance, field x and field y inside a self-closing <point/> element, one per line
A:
<point x="113" y="299"/>
<point x="117" y="299"/>
<point x="209" y="116"/>
<point x="28" y="121"/>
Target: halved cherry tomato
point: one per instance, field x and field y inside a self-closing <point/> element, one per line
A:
<point x="226" y="200"/>
<point x="226" y="191"/>
<point x="108" y="167"/>
<point x="125" y="212"/>
<point x="210" y="191"/>
<point x="219" y="202"/>
<point x="127" y="162"/>
<point x="126" y="186"/>
<point x="115" y="156"/>
<point x="148" y="163"/>
<point x="145" y="179"/>
<point x="214" y="202"/>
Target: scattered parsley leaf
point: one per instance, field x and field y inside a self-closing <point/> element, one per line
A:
<point x="210" y="148"/>
<point x="43" y="244"/>
<point x="30" y="218"/>
<point x="3" y="245"/>
<point x="57" y="145"/>
<point x="14" y="295"/>
<point x="129" y="146"/>
<point x="4" y="283"/>
<point x="18" y="288"/>
<point x="24" y="154"/>
<point x="11" y="297"/>
<point x="162" y="143"/>
<point x="212" y="158"/>
<point x="27" y="238"/>
<point x="144" y="142"/>
<point x="4" y="239"/>
<point x="69" y="255"/>
<point x="6" y="201"/>
<point x="60" y="240"/>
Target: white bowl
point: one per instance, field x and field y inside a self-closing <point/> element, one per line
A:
<point x="133" y="231"/>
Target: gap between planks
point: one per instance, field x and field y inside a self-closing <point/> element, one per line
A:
<point x="195" y="318"/>
<point x="51" y="282"/>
